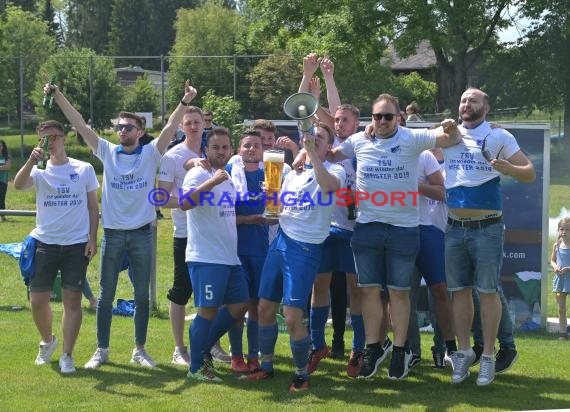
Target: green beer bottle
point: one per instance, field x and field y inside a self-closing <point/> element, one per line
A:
<point x="42" y="164"/>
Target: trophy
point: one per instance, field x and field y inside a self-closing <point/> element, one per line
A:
<point x="273" y="163"/>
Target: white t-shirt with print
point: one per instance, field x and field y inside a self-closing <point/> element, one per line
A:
<point x="339" y="216"/>
<point x="61" y="202"/>
<point x="432" y="212"/>
<point x="172" y="171"/>
<point x="127" y="182"/>
<point x="306" y="214"/>
<point x="211" y="227"/>
<point x="387" y="171"/>
<point x="464" y="162"/>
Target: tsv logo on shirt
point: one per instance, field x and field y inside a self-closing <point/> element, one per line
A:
<point x="74" y="177"/>
<point x="396" y="149"/>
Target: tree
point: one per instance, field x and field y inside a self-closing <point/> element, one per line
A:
<point x="48" y="15"/>
<point x="73" y="69"/>
<point x="225" y="110"/>
<point x="87" y="23"/>
<point x="26" y="5"/>
<point x="412" y="87"/>
<point x="141" y="97"/>
<point x="22" y="35"/>
<point x="210" y="30"/>
<point x="458" y="32"/>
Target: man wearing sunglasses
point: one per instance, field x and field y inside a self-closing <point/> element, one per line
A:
<point x="475" y="232"/>
<point x="386" y="235"/>
<point x="66" y="235"/>
<point x="127" y="215"/>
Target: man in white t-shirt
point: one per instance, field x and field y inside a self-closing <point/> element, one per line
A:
<point x="307" y="199"/>
<point x="66" y="233"/>
<point x="211" y="254"/>
<point x="475" y="230"/>
<point x="170" y="178"/>
<point x="127" y="214"/>
<point x="386" y="237"/>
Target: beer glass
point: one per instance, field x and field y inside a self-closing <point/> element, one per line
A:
<point x="273" y="163"/>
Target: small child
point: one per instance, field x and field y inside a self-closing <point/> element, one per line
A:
<point x="560" y="262"/>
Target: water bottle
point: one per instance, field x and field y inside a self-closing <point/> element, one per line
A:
<point x="512" y="312"/>
<point x="351" y="207"/>
<point x="42" y="164"/>
<point x="536" y="313"/>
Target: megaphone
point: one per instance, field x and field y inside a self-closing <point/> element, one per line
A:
<point x="301" y="107"/>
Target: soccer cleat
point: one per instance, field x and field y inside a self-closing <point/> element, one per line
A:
<point x="100" y="357"/>
<point x="486" y="370"/>
<point x="315" y="357"/>
<point x="180" y="356"/>
<point x="438" y="357"/>
<point x="337" y="350"/>
<point x="399" y="364"/>
<point x="478" y="349"/>
<point x="66" y="364"/>
<point x="354" y="364"/>
<point x="415" y="360"/>
<point x="300" y="383"/>
<point x="238" y="365"/>
<point x="505" y="359"/>
<point x="253" y="364"/>
<point x="387" y="345"/>
<point x="141" y="357"/>
<point x="257" y="375"/>
<point x="204" y="374"/>
<point x="372" y="358"/>
<point x="461" y="361"/>
<point x="219" y="354"/>
<point x="45" y="351"/>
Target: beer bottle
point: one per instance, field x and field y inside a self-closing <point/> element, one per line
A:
<point x="42" y="164"/>
<point x="351" y="206"/>
<point x="48" y="97"/>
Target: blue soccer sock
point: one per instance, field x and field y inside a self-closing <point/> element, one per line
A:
<point x="236" y="334"/>
<point x="358" y="338"/>
<point x="252" y="339"/>
<point x="319" y="317"/>
<point x="222" y="323"/>
<point x="198" y="331"/>
<point x="299" y="349"/>
<point x="267" y="340"/>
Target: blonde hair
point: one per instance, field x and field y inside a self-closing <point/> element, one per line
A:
<point x="562" y="222"/>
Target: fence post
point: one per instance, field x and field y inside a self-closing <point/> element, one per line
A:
<point x="235" y="76"/>
<point x="162" y="90"/>
<point x="91" y="114"/>
<point x="21" y="95"/>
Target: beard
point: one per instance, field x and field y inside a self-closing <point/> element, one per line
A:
<point x="128" y="141"/>
<point x="474" y="115"/>
<point x="218" y="163"/>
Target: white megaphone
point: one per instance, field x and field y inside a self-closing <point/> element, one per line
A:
<point x="301" y="107"/>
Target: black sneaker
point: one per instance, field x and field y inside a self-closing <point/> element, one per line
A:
<point x="337" y="350"/>
<point x="387" y="345"/>
<point x="505" y="359"/>
<point x="478" y="349"/>
<point x="373" y="357"/>
<point x="415" y="360"/>
<point x="438" y="357"/>
<point x="399" y="366"/>
<point x="159" y="215"/>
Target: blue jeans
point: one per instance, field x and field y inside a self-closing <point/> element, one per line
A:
<point x="505" y="333"/>
<point x="136" y="244"/>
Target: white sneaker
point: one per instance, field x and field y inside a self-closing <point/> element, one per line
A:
<point x="486" y="370"/>
<point x="46" y="350"/>
<point x="180" y="356"/>
<point x="142" y="358"/>
<point x="462" y="361"/>
<point x="100" y="357"/>
<point x="66" y="364"/>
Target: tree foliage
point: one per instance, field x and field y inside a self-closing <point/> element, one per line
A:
<point x="209" y="30"/>
<point x="88" y="23"/>
<point x="22" y="34"/>
<point x="225" y="111"/>
<point x="48" y="15"/>
<point x="141" y="97"/>
<point x="73" y="70"/>
<point x="412" y="87"/>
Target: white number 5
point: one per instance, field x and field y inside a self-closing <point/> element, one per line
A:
<point x="208" y="292"/>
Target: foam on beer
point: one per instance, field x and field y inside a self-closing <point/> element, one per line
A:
<point x="273" y="157"/>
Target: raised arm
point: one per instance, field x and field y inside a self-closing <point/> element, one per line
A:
<point x="333" y="98"/>
<point x="73" y="116"/>
<point x="310" y="65"/>
<point x="175" y="118"/>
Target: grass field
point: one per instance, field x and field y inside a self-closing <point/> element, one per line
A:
<point x="538" y="381"/>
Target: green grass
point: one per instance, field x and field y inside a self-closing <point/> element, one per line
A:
<point x="538" y="381"/>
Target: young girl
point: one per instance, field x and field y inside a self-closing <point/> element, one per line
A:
<point x="560" y="262"/>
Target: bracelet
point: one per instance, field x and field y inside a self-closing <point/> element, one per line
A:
<point x="182" y="102"/>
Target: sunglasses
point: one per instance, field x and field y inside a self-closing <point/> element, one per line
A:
<point x="388" y="116"/>
<point x="51" y="137"/>
<point x="128" y="127"/>
<point x="487" y="153"/>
